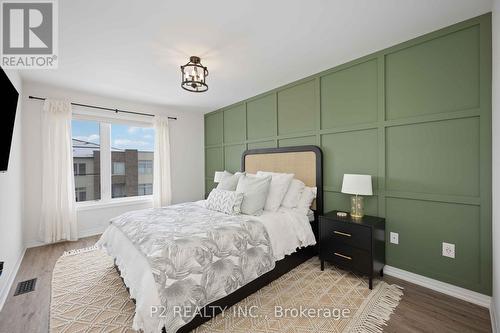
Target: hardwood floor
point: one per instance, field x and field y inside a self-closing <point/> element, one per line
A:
<point x="421" y="309"/>
<point x="30" y="312"/>
<point x="425" y="310"/>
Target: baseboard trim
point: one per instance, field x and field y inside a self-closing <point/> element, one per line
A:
<point x="442" y="287"/>
<point x="493" y="316"/>
<point x="33" y="243"/>
<point x="92" y="232"/>
<point x="10" y="280"/>
<point x="82" y="234"/>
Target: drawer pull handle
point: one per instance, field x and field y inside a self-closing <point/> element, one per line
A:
<point x="342" y="256"/>
<point x="342" y="233"/>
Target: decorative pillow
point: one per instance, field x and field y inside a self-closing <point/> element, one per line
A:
<point x="292" y="196"/>
<point x="279" y="185"/>
<point x="306" y="199"/>
<point x="227" y="202"/>
<point x="229" y="181"/>
<point x="255" y="190"/>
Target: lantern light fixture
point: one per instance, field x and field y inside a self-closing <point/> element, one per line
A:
<point x="194" y="75"/>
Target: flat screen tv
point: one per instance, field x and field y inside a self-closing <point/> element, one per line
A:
<point x="8" y="106"/>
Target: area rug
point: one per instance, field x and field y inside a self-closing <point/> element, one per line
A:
<point x="88" y="295"/>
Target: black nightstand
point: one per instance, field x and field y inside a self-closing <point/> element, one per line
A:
<point x="357" y="245"/>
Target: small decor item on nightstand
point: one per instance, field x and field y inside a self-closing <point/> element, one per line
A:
<point x="357" y="185"/>
<point x="341" y="214"/>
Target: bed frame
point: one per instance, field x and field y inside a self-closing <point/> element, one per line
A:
<point x="299" y="160"/>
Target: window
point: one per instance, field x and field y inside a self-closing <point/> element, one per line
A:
<point x="145" y="167"/>
<point x="86" y="157"/>
<point x="81" y="194"/>
<point x="125" y="152"/>
<point x="145" y="189"/>
<point x="132" y="156"/>
<point x="118" y="190"/>
<point x="118" y="168"/>
<point x="79" y="169"/>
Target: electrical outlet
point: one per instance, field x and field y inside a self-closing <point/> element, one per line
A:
<point x="394" y="238"/>
<point x="448" y="250"/>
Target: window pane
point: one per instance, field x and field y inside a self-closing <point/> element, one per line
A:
<point x="145" y="189"/>
<point x="82" y="169"/>
<point x="118" y="190"/>
<point x="132" y="160"/>
<point x="145" y="167"/>
<point x="119" y="168"/>
<point x="86" y="159"/>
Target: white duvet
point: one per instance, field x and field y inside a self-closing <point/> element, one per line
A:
<point x="287" y="228"/>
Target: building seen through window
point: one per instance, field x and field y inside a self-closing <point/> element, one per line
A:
<point x="131" y="160"/>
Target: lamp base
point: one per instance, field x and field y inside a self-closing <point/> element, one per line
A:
<point x="357" y="207"/>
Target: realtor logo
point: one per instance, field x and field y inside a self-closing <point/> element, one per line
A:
<point x="29" y="34"/>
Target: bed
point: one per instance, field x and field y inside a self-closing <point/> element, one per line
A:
<point x="278" y="242"/>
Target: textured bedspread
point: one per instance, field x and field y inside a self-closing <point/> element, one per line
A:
<point x="196" y="255"/>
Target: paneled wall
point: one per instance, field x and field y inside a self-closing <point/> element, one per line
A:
<point x="417" y="117"/>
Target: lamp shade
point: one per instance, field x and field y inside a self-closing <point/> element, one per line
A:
<point x="357" y="184"/>
<point x="218" y="176"/>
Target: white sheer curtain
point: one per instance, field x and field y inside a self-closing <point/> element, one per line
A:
<point x="58" y="220"/>
<point x="162" y="192"/>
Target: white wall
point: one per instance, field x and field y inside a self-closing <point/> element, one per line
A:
<point x="11" y="217"/>
<point x="187" y="156"/>
<point x="496" y="163"/>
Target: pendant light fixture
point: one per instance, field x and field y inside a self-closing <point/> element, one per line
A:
<point x="194" y="75"/>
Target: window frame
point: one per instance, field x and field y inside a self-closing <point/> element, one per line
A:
<point x="105" y="123"/>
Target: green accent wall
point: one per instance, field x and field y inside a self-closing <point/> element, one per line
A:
<point x="415" y="116"/>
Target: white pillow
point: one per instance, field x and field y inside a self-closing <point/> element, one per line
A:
<point x="227" y="202"/>
<point x="229" y="181"/>
<point x="279" y="185"/>
<point x="255" y="190"/>
<point x="306" y="199"/>
<point x="292" y="196"/>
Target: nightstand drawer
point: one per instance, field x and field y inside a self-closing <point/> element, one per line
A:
<point x="350" y="234"/>
<point x="356" y="244"/>
<point x="348" y="257"/>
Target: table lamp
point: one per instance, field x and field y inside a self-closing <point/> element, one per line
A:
<point x="357" y="186"/>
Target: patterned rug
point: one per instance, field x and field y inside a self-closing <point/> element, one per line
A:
<point x="88" y="295"/>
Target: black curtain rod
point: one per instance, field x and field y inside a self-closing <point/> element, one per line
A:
<point x="103" y="108"/>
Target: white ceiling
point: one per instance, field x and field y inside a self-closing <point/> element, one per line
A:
<point x="133" y="49"/>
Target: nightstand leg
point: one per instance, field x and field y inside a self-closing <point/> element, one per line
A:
<point x="322" y="265"/>
<point x="370" y="284"/>
<point x="381" y="272"/>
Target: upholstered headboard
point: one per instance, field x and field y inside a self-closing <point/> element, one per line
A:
<point x="306" y="162"/>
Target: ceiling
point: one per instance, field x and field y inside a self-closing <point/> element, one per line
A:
<point x="133" y="49"/>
